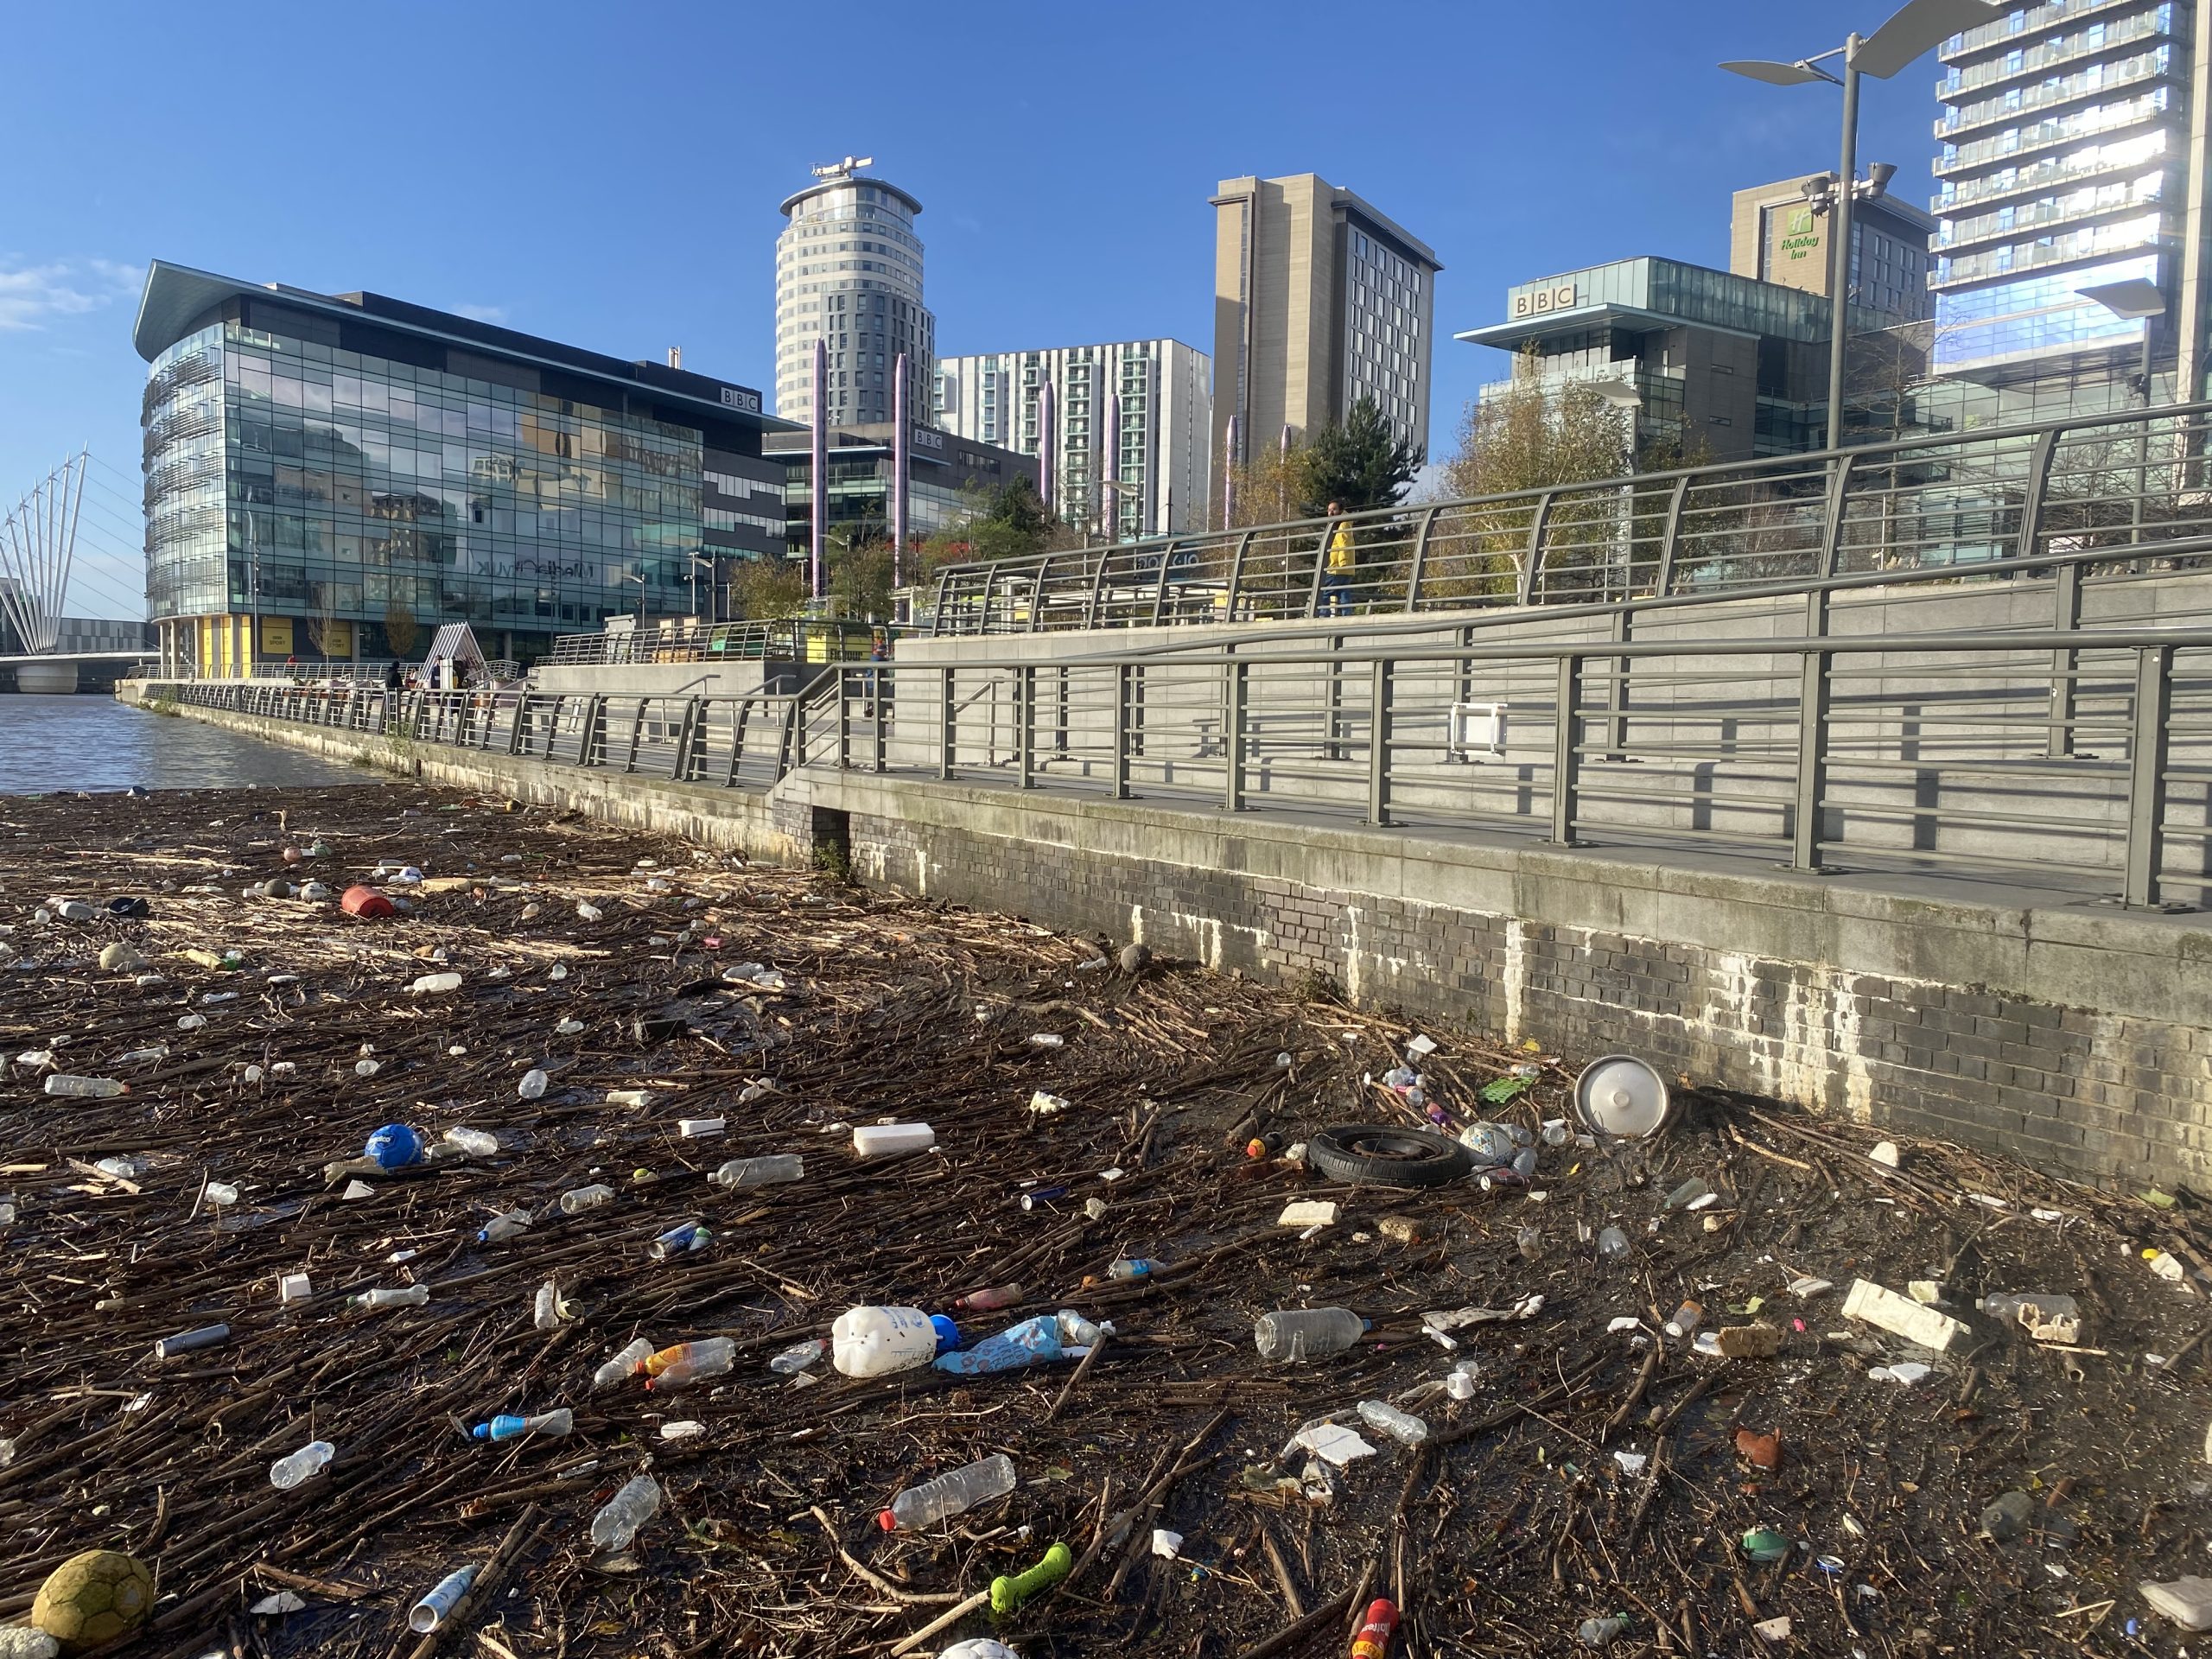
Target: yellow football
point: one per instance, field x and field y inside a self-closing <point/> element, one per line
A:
<point x="93" y="1598"/>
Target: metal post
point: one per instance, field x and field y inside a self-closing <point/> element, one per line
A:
<point x="1839" y="279"/>
<point x="880" y="695"/>
<point x="679" y="766"/>
<point x="1421" y="558"/>
<point x="1332" y="700"/>
<point x="637" y="730"/>
<point x="1567" y="756"/>
<point x="1616" y="746"/>
<point x="2065" y="662"/>
<point x="844" y="718"/>
<point x="946" y="718"/>
<point x="1098" y="585"/>
<point x="1236" y="576"/>
<point x="2142" y="446"/>
<point x="1119" y="790"/>
<point x="1320" y="563"/>
<point x="1037" y="596"/>
<point x="1235" y="685"/>
<point x="1160" y="592"/>
<point x="738" y="717"/>
<point x="1534" y="556"/>
<point x="1378" y="744"/>
<point x="1812" y="690"/>
<point x="1025" y="740"/>
<point x="2146" y="776"/>
<point x="1663" y="583"/>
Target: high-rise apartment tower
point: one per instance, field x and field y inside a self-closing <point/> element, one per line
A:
<point x="848" y="273"/>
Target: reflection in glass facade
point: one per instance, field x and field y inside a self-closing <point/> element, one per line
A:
<point x="355" y="480"/>
<point x="2062" y="167"/>
<point x="947" y="478"/>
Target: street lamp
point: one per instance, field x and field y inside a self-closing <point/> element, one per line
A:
<point x="1915" y="27"/>
<point x="2136" y="300"/>
<point x="624" y="575"/>
<point x="697" y="565"/>
<point x="1622" y="397"/>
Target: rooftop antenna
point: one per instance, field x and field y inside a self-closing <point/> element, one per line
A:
<point x="38" y="543"/>
<point x="844" y="170"/>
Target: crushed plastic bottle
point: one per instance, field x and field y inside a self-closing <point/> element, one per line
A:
<point x="476" y="1143"/>
<point x="550" y="1310"/>
<point x="570" y="1028"/>
<point x="949" y="1494"/>
<point x="532" y="1086"/>
<point x="410" y="1296"/>
<point x="124" y="1169"/>
<point x="624" y="1363"/>
<point x="636" y="1502"/>
<point x="191" y="1022"/>
<point x="577" y="1199"/>
<point x="1076" y="1332"/>
<point x="505" y="1427"/>
<point x="761" y="1172"/>
<point x="366" y="1068"/>
<point x="800" y="1355"/>
<point x="62" y="1083"/>
<point x="686" y="1363"/>
<point x="289" y="1471"/>
<point x="1389" y="1421"/>
<point x="1301" y="1333"/>
<point x="503" y="1226"/>
<point x="1612" y="1244"/>
<point x="435" y="984"/>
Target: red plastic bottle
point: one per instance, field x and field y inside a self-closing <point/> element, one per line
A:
<point x="982" y="1301"/>
<point x="1373" y="1641"/>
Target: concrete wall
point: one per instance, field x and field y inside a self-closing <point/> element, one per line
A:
<point x="2076" y="1036"/>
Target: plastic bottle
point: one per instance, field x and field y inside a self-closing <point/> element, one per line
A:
<point x="1307" y="1332"/>
<point x="432" y="984"/>
<point x="892" y="1139"/>
<point x="549" y="1310"/>
<point x="60" y="1082"/>
<point x="700" y="1129"/>
<point x="1391" y="1423"/>
<point x="1599" y="1633"/>
<point x="144" y="1056"/>
<point x="1682" y="1196"/>
<point x="412" y="1296"/>
<point x="761" y="1172"/>
<point x="124" y="1169"/>
<point x="637" y="1502"/>
<point x="504" y="1428"/>
<point x="191" y="1022"/>
<point x="2054" y="1307"/>
<point x="680" y="1241"/>
<point x="624" y="1363"/>
<point x="709" y="1356"/>
<point x="366" y="1068"/>
<point x="1076" y="1332"/>
<point x="797" y="1358"/>
<point x="1373" y="1641"/>
<point x="877" y="1341"/>
<point x="532" y="1087"/>
<point x="1529" y="1241"/>
<point x="577" y="1199"/>
<point x="588" y="911"/>
<point x="1685" y="1319"/>
<point x="1612" y="1244"/>
<point x="288" y="1472"/>
<point x="505" y="1225"/>
<point x="949" y="1494"/>
<point x="982" y="1301"/>
<point x="1132" y="1267"/>
<point x="428" y="1613"/>
<point x="477" y="1143"/>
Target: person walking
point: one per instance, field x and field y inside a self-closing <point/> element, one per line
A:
<point x="1336" y="576"/>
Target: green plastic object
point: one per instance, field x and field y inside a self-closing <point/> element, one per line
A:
<point x="1007" y="1594"/>
<point x="1764" y="1544"/>
<point x="1502" y="1092"/>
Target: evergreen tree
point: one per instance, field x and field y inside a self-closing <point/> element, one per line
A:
<point x="1359" y="462"/>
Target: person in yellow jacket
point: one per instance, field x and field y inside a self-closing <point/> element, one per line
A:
<point x="1336" y="576"/>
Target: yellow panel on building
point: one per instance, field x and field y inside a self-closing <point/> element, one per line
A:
<point x="276" y="636"/>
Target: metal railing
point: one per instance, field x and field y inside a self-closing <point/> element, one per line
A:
<point x="798" y="640"/>
<point x="2070" y="760"/>
<point x="2131" y="485"/>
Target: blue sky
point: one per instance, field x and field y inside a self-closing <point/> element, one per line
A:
<point x="608" y="174"/>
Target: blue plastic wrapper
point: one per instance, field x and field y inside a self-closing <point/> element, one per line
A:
<point x="1032" y="1342"/>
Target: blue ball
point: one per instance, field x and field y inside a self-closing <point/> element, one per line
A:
<point x="394" y="1146"/>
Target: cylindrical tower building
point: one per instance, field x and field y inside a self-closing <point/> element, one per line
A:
<point x="848" y="273"/>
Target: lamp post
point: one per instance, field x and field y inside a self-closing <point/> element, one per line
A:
<point x="698" y="564"/>
<point x="1623" y="397"/>
<point x="1915" y="27"/>
<point x="626" y="575"/>
<point x="2136" y="300"/>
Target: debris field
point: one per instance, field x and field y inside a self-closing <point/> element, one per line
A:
<point x="1581" y="1474"/>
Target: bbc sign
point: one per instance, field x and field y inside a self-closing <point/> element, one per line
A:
<point x="739" y="398"/>
<point x="1536" y="302"/>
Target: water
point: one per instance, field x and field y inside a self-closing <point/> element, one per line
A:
<point x="89" y="742"/>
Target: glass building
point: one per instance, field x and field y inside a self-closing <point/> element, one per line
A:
<point x="2064" y="164"/>
<point x="946" y="474"/>
<point x="848" y="274"/>
<point x="341" y="474"/>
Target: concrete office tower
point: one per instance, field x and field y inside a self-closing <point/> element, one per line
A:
<point x="1317" y="301"/>
<point x="848" y="273"/>
<point x="2072" y="156"/>
<point x="1159" y="456"/>
<point x="1774" y="235"/>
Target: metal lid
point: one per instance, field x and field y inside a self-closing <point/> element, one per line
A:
<point x="1621" y="1095"/>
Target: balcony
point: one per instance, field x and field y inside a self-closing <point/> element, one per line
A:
<point x="2083" y="207"/>
<point x="2083" y="85"/>
<point x="2101" y="242"/>
<point x="1961" y="84"/>
<point x="2051" y="132"/>
<point x="2034" y="22"/>
<point x="2110" y="161"/>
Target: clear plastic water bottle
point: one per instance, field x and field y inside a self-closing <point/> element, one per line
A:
<point x="1132" y="1267"/>
<point x="1389" y="1421"/>
<point x="288" y="1472"/>
<point x="1076" y="1332"/>
<point x="532" y="1086"/>
<point x="637" y="1502"/>
<point x="505" y="1427"/>
<point x="569" y="1028"/>
<point x="124" y="1169"/>
<point x="1612" y="1244"/>
<point x="761" y="1172"/>
<point x="581" y="1198"/>
<point x="412" y="1296"/>
<point x="948" y="1494"/>
<point x="435" y="984"/>
<point x="60" y="1082"/>
<point x="797" y="1358"/>
<point x="1307" y="1332"/>
<point x="477" y="1143"/>
<point x="671" y="1367"/>
<point x="624" y="1363"/>
<point x="144" y="1056"/>
<point x="503" y="1226"/>
<point x="191" y="1022"/>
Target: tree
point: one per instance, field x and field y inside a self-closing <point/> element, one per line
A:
<point x="1361" y="462"/>
<point x="401" y="630"/>
<point x="860" y="580"/>
<point x="767" y="588"/>
<point x="322" y="623"/>
<point x="1266" y="490"/>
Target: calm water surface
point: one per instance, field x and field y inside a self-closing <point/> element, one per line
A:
<point x="91" y="741"/>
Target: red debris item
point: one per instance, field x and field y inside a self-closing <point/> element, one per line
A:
<point x="1263" y="1145"/>
<point x="1760" y="1450"/>
<point x="366" y="902"/>
<point x="1374" y="1638"/>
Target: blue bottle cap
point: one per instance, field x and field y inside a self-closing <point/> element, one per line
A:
<point x="948" y="1334"/>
